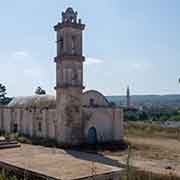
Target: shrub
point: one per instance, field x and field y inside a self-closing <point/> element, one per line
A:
<point x="6" y="176"/>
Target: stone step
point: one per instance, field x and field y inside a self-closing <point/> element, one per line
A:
<point x="2" y="142"/>
<point x="9" y="146"/>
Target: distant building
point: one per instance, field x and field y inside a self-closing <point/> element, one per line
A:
<point x="128" y="98"/>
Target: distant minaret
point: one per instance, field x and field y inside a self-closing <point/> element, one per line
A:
<point x="128" y="97"/>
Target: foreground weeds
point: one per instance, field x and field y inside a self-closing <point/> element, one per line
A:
<point x="132" y="173"/>
<point x="135" y="174"/>
<point x="5" y="176"/>
<point x="139" y="175"/>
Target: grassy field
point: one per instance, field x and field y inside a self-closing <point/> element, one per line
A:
<point x="151" y="130"/>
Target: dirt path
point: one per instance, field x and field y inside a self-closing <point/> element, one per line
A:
<point x="156" y="155"/>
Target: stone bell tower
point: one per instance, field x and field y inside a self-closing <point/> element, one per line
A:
<point x="69" y="79"/>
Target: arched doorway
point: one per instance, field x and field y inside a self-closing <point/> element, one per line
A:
<point x="92" y="136"/>
<point x="15" y="128"/>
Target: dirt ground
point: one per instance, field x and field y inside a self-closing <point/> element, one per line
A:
<point x="155" y="154"/>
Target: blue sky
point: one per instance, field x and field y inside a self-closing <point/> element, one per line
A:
<point x="126" y="42"/>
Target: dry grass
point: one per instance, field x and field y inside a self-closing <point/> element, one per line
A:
<point x="141" y="175"/>
<point x="155" y="150"/>
<point x="151" y="130"/>
<point x="153" y="141"/>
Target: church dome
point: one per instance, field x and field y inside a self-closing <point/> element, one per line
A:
<point x="95" y="98"/>
<point x="36" y="101"/>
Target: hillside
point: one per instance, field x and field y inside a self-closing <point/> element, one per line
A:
<point x="148" y="100"/>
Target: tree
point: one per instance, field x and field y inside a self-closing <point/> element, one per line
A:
<point x="2" y="93"/>
<point x="40" y="91"/>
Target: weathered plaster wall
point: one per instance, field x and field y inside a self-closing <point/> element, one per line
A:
<point x="101" y="120"/>
<point x="32" y="122"/>
<point x="7" y="120"/>
<point x="43" y="123"/>
<point x="1" y="118"/>
<point x="107" y="121"/>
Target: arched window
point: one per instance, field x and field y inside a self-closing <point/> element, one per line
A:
<point x="73" y="44"/>
<point x="65" y="74"/>
<point x="74" y="77"/>
<point x="69" y="75"/>
<point x="91" y="102"/>
<point x="61" y="43"/>
<point x="80" y="76"/>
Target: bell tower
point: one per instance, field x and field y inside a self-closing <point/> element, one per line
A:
<point x="69" y="79"/>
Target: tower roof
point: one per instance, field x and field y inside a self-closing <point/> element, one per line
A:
<point x="70" y="10"/>
<point x="69" y="19"/>
<point x="69" y="15"/>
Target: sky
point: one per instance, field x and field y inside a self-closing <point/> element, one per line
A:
<point x="126" y="42"/>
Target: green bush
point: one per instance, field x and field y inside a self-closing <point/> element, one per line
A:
<point x="175" y="118"/>
<point x="6" y="176"/>
<point x="23" y="139"/>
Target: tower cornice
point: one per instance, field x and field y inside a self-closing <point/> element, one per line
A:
<point x="69" y="25"/>
<point x="69" y="57"/>
<point x="64" y="86"/>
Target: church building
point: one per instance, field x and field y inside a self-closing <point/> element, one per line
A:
<point x="74" y="116"/>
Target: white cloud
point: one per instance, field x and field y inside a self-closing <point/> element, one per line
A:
<point x="18" y="54"/>
<point x="21" y="72"/>
<point x="90" y="60"/>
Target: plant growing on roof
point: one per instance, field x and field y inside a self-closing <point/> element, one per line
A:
<point x="40" y="91"/>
